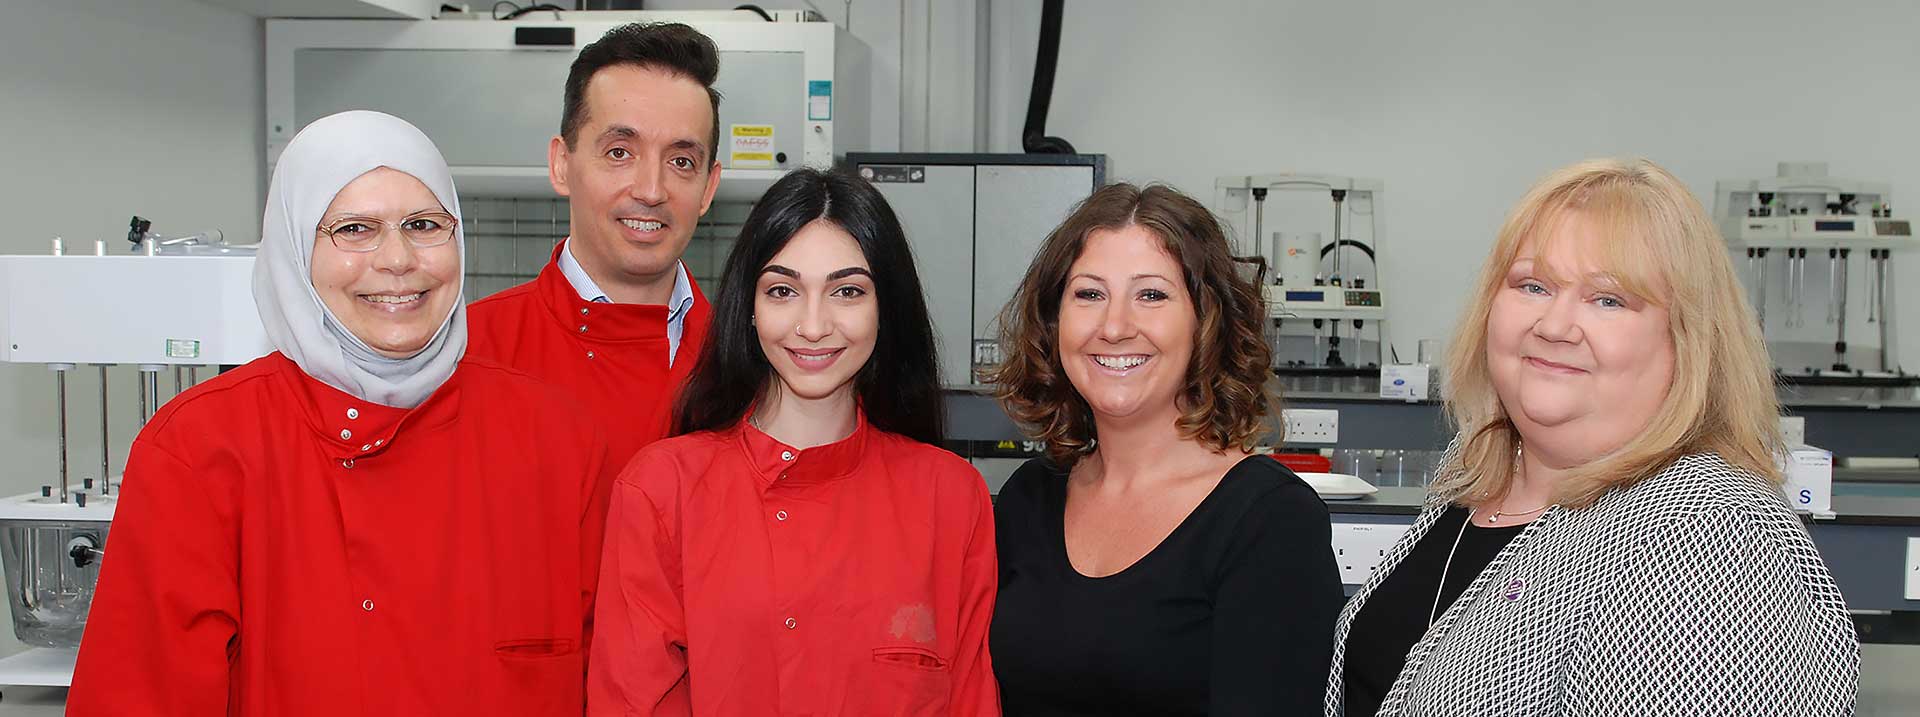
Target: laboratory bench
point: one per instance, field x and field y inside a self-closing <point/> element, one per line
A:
<point x="1869" y="545"/>
<point x="1845" y="421"/>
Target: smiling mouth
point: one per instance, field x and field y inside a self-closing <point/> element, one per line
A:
<point x="814" y="359"/>
<point x="1550" y="366"/>
<point x="643" y="225"/>
<point x="394" y="302"/>
<point x="1121" y="364"/>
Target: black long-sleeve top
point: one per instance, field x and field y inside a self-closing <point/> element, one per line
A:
<point x="1232" y="614"/>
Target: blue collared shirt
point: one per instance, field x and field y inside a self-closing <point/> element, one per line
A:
<point x="678" y="303"/>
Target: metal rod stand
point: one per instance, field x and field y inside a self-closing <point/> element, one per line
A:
<point x="149" y="392"/>
<point x="106" y="444"/>
<point x="60" y="397"/>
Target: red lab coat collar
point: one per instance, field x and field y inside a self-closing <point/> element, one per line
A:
<point x="604" y="323"/>
<point x="351" y="427"/>
<point x="776" y="462"/>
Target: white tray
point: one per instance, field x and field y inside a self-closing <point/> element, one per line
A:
<point x="1338" y="486"/>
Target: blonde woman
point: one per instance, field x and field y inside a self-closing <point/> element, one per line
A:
<point x="1606" y="536"/>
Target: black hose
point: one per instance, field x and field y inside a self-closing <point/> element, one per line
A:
<point x="519" y="11"/>
<point x="1034" y="137"/>
<point x="1328" y="249"/>
<point x="762" y="12"/>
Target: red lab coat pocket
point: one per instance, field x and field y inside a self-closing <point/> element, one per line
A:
<point x="907" y="680"/>
<point x="541" y="676"/>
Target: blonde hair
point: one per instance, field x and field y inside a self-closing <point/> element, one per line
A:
<point x="1663" y="248"/>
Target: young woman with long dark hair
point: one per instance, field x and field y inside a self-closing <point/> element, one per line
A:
<point x="802" y="545"/>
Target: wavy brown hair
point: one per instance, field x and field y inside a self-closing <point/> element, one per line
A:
<point x="1226" y="399"/>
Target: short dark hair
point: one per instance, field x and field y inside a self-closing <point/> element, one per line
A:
<point x="898" y="388"/>
<point x="1225" y="399"/>
<point x="669" y="47"/>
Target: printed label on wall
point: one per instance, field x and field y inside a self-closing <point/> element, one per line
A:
<point x="820" y="100"/>
<point x="183" y="348"/>
<point x="752" y="146"/>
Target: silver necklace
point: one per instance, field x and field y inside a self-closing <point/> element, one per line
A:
<point x="1498" y="513"/>
<point x="1433" y="615"/>
<point x="1519" y="452"/>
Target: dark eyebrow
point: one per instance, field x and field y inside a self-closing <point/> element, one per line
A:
<point x="1152" y="276"/>
<point x="781" y="270"/>
<point x="849" y="271"/>
<point x="619" y="131"/>
<point x="1095" y="277"/>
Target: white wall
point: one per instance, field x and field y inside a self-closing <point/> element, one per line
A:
<point x="114" y="109"/>
<point x="1459" y="106"/>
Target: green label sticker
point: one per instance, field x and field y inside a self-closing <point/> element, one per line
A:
<point x="820" y="100"/>
<point x="183" y="348"/>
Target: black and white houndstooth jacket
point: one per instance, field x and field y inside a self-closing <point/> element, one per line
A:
<point x="1693" y="592"/>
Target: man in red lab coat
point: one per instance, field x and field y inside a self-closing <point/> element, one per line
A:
<point x="614" y="318"/>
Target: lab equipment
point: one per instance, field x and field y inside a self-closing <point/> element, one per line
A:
<point x="974" y="222"/>
<point x="1808" y="473"/>
<point x="795" y="90"/>
<point x="1329" y="279"/>
<point x="1801" y="213"/>
<point x="1408" y="382"/>
<point x="173" y="303"/>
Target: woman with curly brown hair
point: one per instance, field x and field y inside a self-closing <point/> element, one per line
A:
<point x="1150" y="564"/>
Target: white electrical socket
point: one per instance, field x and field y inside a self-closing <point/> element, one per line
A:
<point x="1913" y="568"/>
<point x="1358" y="548"/>
<point x="1311" y="425"/>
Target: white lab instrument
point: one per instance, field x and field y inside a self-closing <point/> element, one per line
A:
<point x="180" y="302"/>
<point x="1318" y="277"/>
<point x="489" y="92"/>
<point x="1803" y="213"/>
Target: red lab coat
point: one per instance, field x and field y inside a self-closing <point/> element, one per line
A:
<point x="612" y="358"/>
<point x="283" y="548"/>
<point x="747" y="577"/>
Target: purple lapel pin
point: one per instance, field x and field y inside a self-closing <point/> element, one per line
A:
<point x="1514" y="588"/>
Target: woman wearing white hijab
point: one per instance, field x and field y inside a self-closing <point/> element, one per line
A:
<point x="362" y="523"/>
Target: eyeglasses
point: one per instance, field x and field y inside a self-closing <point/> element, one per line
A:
<point x="363" y="234"/>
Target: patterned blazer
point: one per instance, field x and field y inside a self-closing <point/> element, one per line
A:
<point x="1693" y="592"/>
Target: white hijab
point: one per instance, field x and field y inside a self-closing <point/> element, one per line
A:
<point x="320" y="161"/>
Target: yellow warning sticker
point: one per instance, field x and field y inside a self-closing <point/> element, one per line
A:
<point x="752" y="146"/>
